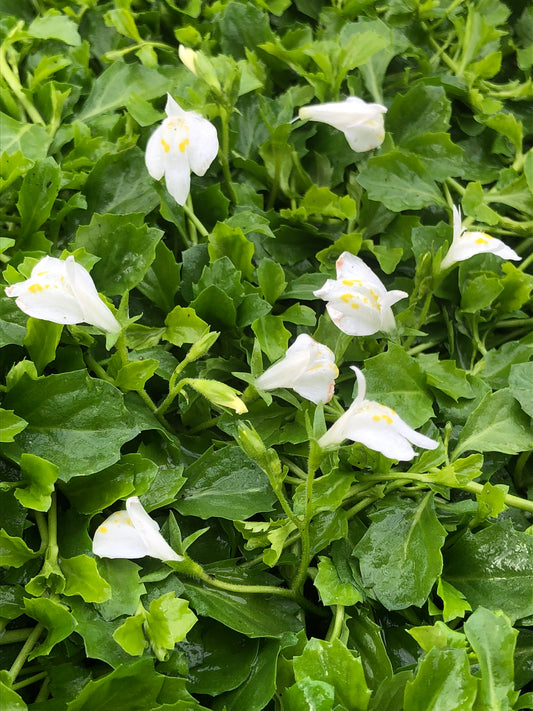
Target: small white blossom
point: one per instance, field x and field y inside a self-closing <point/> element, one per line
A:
<point x="62" y="291"/>
<point x="131" y="534"/>
<point x="358" y="302"/>
<point x="361" y="123"/>
<point x="308" y="367"/>
<point x="466" y="244"/>
<point x="376" y="426"/>
<point x="185" y="141"/>
<point x="188" y="58"/>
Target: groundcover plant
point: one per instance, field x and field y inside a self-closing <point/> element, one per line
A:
<point x="266" y="355"/>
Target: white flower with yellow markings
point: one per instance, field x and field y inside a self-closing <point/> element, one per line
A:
<point x="465" y="244"/>
<point x="361" y="122"/>
<point x="185" y="141"/>
<point x="62" y="291"/>
<point x="308" y="367"/>
<point x="376" y="426"/>
<point x="357" y="301"/>
<point x="131" y="534"/>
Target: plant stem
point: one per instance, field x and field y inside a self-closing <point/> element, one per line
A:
<point x="336" y="628"/>
<point x="474" y="487"/>
<point x="189" y="211"/>
<point x="15" y="86"/>
<point x="12" y="636"/>
<point x="224" y="154"/>
<point x="24" y="653"/>
<point x="299" y="580"/>
<point x="29" y="680"/>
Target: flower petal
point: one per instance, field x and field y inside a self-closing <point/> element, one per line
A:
<point x="148" y="529"/>
<point x="154" y="156"/>
<point x="118" y="538"/>
<point x="94" y="310"/>
<point x="178" y="179"/>
<point x="203" y="147"/>
<point x="172" y="108"/>
<point x="352" y="268"/>
<point x="365" y="136"/>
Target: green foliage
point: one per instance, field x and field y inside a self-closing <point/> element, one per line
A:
<point x="335" y="580"/>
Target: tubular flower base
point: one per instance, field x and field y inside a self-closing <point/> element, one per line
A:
<point x="62" y="291"/>
<point x="361" y="123"/>
<point x="308" y="367"/>
<point x="376" y="426"/>
<point x="358" y="302"/>
<point x="466" y="244"/>
<point x="131" y="534"/>
<point x="185" y="141"/>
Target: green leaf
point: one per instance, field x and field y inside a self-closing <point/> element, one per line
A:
<point x="493" y="568"/>
<point x="218" y="658"/>
<point x="400" y="181"/>
<point x="272" y="335"/>
<point x="227" y="484"/>
<point x="271" y="279"/>
<point x="11" y="700"/>
<point x="444" y="375"/>
<point x="126" y="248"/>
<point x="167" y="623"/>
<point x="14" y="553"/>
<point x="399" y="555"/>
<point x="455" y="604"/>
<point x="521" y="385"/>
<point x="443" y="683"/>
<point x="184" y="326"/>
<point x="126" y="587"/>
<point x="131" y="475"/>
<point x="41" y="340"/>
<point x="498" y="424"/>
<point x="119" y="183"/>
<point x="366" y="637"/>
<point x="226" y="241"/>
<point x="53" y="25"/>
<point x="397" y="380"/>
<point x="74" y="421"/>
<point x="83" y="579"/>
<point x="423" y="109"/>
<point x="251" y="614"/>
<point x="30" y="139"/>
<point x="438" y="153"/>
<point x="308" y="694"/>
<point x="130" y="635"/>
<point x="334" y="589"/>
<point x="114" y="87"/>
<point x="10" y="425"/>
<point x="55" y="617"/>
<point x="133" y="375"/>
<point x="161" y="281"/>
<point x="39" y="477"/>
<point x="37" y="195"/>
<point x="493" y="640"/>
<point x="260" y="686"/>
<point x="334" y="664"/>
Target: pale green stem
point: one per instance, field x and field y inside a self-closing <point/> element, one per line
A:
<point x="16" y="88"/>
<point x="12" y="636"/>
<point x="29" y="680"/>
<point x="24" y="653"/>
<point x="305" y="555"/>
<point x="224" y="154"/>
<point x="336" y="628"/>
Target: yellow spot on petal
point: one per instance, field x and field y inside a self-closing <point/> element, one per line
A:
<point x="377" y="418"/>
<point x="34" y="288"/>
<point x="165" y="145"/>
<point x="102" y="529"/>
<point x="41" y="273"/>
<point x="346" y="297"/>
<point x="351" y="282"/>
<point x="183" y="145"/>
<point x="480" y="240"/>
<point x="387" y="419"/>
<point x="47" y="286"/>
<point x="354" y="306"/>
<point x="128" y="521"/>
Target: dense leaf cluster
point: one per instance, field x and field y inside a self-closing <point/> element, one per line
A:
<point x="339" y="582"/>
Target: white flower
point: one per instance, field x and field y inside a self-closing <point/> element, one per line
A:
<point x="308" y="367"/>
<point x="62" y="291"/>
<point x="466" y="244"/>
<point x="358" y="302"/>
<point x="376" y="426"/>
<point x="361" y="123"/>
<point x="185" y="141"/>
<point x="131" y="534"/>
